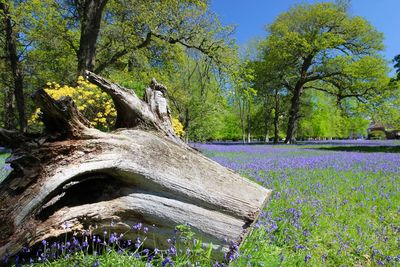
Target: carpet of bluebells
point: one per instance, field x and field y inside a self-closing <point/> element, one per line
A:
<point x="333" y="204"/>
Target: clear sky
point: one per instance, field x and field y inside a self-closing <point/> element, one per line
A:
<point x="251" y="16"/>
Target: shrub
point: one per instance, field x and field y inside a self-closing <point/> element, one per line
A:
<point x="95" y="105"/>
<point x="178" y="127"/>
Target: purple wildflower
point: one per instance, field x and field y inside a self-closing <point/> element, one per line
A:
<point x="167" y="262"/>
<point x="307" y="257"/>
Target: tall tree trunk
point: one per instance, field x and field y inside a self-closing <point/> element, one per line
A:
<point x="12" y="57"/>
<point x="266" y="140"/>
<point x="266" y="125"/>
<point x="267" y="118"/>
<point x="9" y="115"/>
<point x="295" y="103"/>
<point x="90" y="14"/>
<point x="248" y="122"/>
<point x="243" y="132"/>
<point x="276" y="117"/>
<point x="242" y="119"/>
<point x="186" y="125"/>
<point x="276" y="128"/>
<point x="187" y="136"/>
<point x="294" y="113"/>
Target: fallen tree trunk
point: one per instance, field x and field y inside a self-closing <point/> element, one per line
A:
<point x="141" y="172"/>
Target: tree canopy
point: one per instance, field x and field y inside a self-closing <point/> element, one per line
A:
<point x="318" y="71"/>
<point x="322" y="47"/>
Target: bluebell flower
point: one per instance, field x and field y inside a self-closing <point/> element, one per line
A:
<point x="7" y="167"/>
<point x="172" y="250"/>
<point x="307" y="257"/>
<point x="167" y="262"/>
<point x="137" y="226"/>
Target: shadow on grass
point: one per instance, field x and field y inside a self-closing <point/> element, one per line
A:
<point x="366" y="149"/>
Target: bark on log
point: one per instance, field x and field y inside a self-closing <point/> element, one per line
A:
<point x="141" y="173"/>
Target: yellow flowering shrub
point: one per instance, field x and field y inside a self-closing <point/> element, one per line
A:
<point x="93" y="103"/>
<point x="178" y="127"/>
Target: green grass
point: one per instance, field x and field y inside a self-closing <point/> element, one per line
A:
<point x="338" y="223"/>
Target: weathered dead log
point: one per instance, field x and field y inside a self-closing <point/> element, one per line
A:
<point x="141" y="172"/>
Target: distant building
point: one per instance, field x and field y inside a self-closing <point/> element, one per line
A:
<point x="378" y="130"/>
<point x="394" y="134"/>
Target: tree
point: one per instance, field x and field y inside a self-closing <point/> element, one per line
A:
<point x="6" y="94"/>
<point x="12" y="57"/>
<point x="143" y="24"/>
<point x="323" y="119"/>
<point x="321" y="47"/>
<point x="273" y="94"/>
<point x="243" y="77"/>
<point x="127" y="26"/>
<point x="90" y="14"/>
<point x="385" y="107"/>
<point x="102" y="35"/>
<point x="196" y="95"/>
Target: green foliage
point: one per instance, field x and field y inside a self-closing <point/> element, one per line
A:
<point x="385" y="108"/>
<point x="52" y="40"/>
<point x="242" y="76"/>
<point x="322" y="118"/>
<point x="137" y="83"/>
<point x="196" y="96"/>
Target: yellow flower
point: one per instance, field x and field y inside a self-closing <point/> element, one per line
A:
<point x="94" y="104"/>
<point x="178" y="127"/>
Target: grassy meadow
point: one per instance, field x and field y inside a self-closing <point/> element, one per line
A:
<point x="334" y="204"/>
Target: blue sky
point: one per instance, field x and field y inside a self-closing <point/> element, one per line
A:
<point x="251" y="16"/>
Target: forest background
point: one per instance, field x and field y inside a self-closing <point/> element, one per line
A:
<point x="318" y="73"/>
